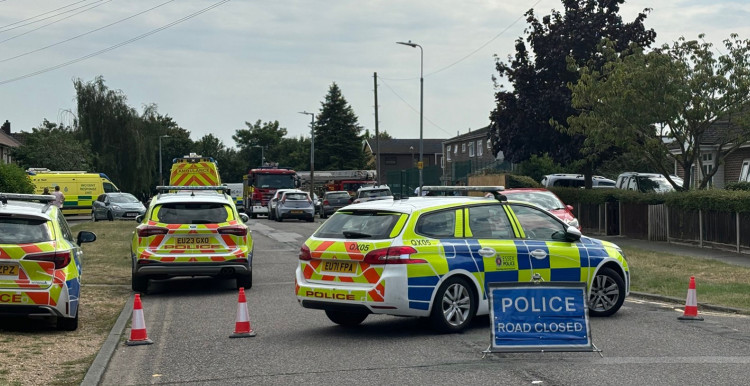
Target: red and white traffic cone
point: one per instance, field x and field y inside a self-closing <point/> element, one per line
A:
<point x="691" y="304"/>
<point x="242" y="328"/>
<point x="138" y="334"/>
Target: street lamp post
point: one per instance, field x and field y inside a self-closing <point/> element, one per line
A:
<point x="312" y="152"/>
<point x="161" y="174"/>
<point x="262" y="157"/>
<point x="411" y="149"/>
<point x="421" y="108"/>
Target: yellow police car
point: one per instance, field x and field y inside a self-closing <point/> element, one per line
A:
<point x="436" y="256"/>
<point x="40" y="260"/>
<point x="191" y="231"/>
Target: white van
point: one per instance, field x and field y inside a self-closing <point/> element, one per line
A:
<point x="575" y="181"/>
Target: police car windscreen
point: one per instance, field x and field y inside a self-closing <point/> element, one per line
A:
<point x="359" y="225"/>
<point x="193" y="213"/>
<point x="14" y="230"/>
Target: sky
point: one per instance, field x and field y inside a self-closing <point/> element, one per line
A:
<point x="213" y="65"/>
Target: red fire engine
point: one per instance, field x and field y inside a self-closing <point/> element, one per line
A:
<point x="260" y="184"/>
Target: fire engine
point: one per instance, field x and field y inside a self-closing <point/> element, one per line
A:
<point x="260" y="184"/>
<point x="333" y="180"/>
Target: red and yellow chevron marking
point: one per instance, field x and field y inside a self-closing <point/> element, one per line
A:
<point x="194" y="174"/>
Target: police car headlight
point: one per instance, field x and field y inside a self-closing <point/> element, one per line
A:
<point x="574" y="223"/>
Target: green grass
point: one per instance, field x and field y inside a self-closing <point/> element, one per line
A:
<point x="716" y="282"/>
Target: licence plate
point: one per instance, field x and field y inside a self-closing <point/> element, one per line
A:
<point x="130" y="214"/>
<point x="9" y="270"/>
<point x="339" y="266"/>
<point x="296" y="212"/>
<point x="193" y="240"/>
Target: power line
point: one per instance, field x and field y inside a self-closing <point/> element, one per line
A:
<point x="410" y="106"/>
<point x="82" y="58"/>
<point x="54" y="22"/>
<point x="42" y="14"/>
<point x="86" y="33"/>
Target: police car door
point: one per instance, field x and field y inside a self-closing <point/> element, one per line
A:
<point x="542" y="248"/>
<point x="490" y="237"/>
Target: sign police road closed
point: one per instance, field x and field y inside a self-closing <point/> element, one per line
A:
<point x="539" y="317"/>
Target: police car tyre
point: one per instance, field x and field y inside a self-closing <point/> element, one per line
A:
<point x="455" y="306"/>
<point x="139" y="283"/>
<point x="607" y="293"/>
<point x="345" y="318"/>
<point x="245" y="281"/>
<point x="68" y="324"/>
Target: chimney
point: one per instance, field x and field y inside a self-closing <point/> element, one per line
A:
<point x="6" y="127"/>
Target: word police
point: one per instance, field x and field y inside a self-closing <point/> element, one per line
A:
<point x="554" y="304"/>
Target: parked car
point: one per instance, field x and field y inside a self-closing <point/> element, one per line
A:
<point x="40" y="260"/>
<point x="295" y="204"/>
<point x="370" y="193"/>
<point x="333" y="201"/>
<point x="434" y="257"/>
<point x="544" y="199"/>
<point x="645" y="182"/>
<point x="575" y="181"/>
<point x="116" y="206"/>
<point x="274" y="200"/>
<point x="194" y="231"/>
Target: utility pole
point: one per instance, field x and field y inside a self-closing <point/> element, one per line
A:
<point x="377" y="133"/>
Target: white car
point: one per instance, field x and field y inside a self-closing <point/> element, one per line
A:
<point x="274" y="200"/>
<point x="371" y="193"/>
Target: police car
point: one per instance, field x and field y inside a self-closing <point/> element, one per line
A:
<point x="40" y="260"/>
<point x="191" y="231"/>
<point x="436" y="256"/>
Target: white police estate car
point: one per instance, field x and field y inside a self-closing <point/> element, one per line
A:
<point x="435" y="257"/>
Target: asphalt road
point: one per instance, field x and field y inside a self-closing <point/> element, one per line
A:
<point x="190" y="321"/>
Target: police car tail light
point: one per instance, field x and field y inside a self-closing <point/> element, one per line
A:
<point x="60" y="258"/>
<point x="304" y="253"/>
<point x="236" y="230"/>
<point x="392" y="255"/>
<point x="151" y="231"/>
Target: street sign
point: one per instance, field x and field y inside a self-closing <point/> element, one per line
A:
<point x="420" y="165"/>
<point x="539" y="316"/>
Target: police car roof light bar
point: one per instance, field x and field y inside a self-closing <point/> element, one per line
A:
<point x="162" y="189"/>
<point x="494" y="190"/>
<point x="45" y="198"/>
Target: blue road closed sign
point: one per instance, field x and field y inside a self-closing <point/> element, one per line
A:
<point x="539" y="316"/>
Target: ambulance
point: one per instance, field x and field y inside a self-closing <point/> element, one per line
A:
<point x="194" y="170"/>
<point x="79" y="187"/>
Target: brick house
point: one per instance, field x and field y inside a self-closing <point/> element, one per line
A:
<point x="7" y="143"/>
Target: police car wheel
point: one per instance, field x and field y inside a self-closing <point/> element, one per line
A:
<point x="245" y="281"/>
<point x="67" y="324"/>
<point x="347" y="319"/>
<point x="607" y="293"/>
<point x="139" y="283"/>
<point x="455" y="306"/>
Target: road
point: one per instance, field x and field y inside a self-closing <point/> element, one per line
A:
<point x="190" y="321"/>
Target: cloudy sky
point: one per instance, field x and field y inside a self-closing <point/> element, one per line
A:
<point x="213" y="65"/>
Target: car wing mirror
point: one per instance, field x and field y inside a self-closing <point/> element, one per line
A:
<point x="85" y="237"/>
<point x="139" y="218"/>
<point x="244" y="217"/>
<point x="572" y="234"/>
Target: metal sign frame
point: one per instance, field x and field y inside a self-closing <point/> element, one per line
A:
<point x="533" y="325"/>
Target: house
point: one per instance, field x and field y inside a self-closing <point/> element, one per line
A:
<point x="469" y="153"/>
<point x="718" y="151"/>
<point x="398" y="161"/>
<point x="7" y="143"/>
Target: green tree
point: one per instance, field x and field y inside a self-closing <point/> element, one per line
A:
<point x="338" y="138"/>
<point x="53" y="147"/>
<point x="13" y="179"/>
<point x="268" y="135"/>
<point x="521" y="122"/>
<point x="295" y="153"/>
<point x="537" y="167"/>
<point x="682" y="93"/>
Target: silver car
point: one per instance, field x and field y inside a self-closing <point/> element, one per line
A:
<point x="295" y="204"/>
<point x="116" y="206"/>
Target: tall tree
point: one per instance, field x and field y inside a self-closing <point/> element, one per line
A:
<point x="521" y="124"/>
<point x="267" y="135"/>
<point x="53" y="147"/>
<point x="338" y="138"/>
<point x="682" y="93"/>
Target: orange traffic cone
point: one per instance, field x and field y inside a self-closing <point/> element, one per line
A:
<point x="138" y="333"/>
<point x="691" y="304"/>
<point x="242" y="328"/>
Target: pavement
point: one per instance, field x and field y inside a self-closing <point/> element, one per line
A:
<point x="99" y="366"/>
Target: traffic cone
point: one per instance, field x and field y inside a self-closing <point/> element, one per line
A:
<point x="138" y="333"/>
<point x="242" y="328"/>
<point x="691" y="304"/>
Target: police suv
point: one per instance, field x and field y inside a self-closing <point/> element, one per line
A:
<point x="436" y="256"/>
<point x="40" y="260"/>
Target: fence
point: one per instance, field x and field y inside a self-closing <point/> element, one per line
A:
<point x="404" y="182"/>
<point x="721" y="229"/>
